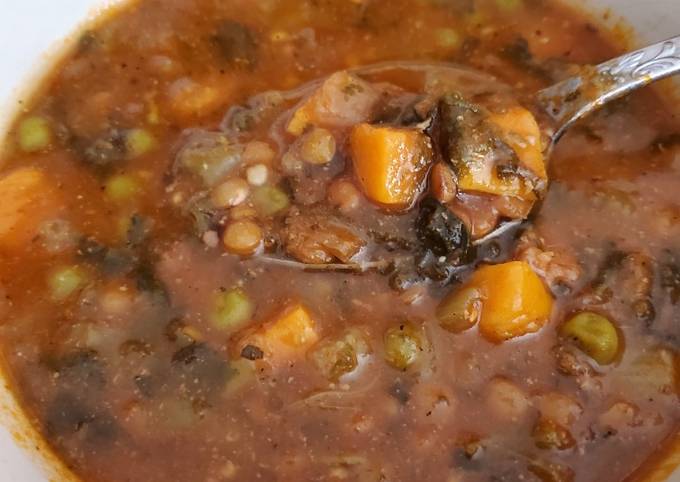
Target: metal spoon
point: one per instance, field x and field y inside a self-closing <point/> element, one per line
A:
<point x="564" y="103"/>
<point x="577" y="97"/>
<point x="571" y="100"/>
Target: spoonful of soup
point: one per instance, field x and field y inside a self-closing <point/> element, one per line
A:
<point x="418" y="169"/>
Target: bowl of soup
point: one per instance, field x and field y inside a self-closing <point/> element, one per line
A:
<point x="321" y="240"/>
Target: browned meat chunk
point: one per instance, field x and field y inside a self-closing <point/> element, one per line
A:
<point x="572" y="364"/>
<point x="318" y="239"/>
<point x="341" y="101"/>
<point x="557" y="267"/>
<point x="626" y="279"/>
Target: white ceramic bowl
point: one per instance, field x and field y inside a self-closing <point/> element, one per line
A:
<point x="33" y="32"/>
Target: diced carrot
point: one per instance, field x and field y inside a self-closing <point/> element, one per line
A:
<point x="343" y="100"/>
<point x="288" y="335"/>
<point x="519" y="129"/>
<point x="294" y="327"/>
<point x="28" y="199"/>
<point x="514" y="300"/>
<point x="390" y="163"/>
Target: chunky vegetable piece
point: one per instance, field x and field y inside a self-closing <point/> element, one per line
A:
<point x="189" y="99"/>
<point x="342" y="101"/>
<point x="403" y="345"/>
<point x="317" y="147"/>
<point x="460" y="310"/>
<point x="230" y="193"/>
<point x="498" y="154"/>
<point x="339" y="356"/>
<point x="211" y="156"/>
<point x="514" y="301"/>
<point x="519" y="130"/>
<point x="318" y="239"/>
<point x="242" y="237"/>
<point x="390" y="163"/>
<point x="270" y="200"/>
<point x="35" y="134"/>
<point x="483" y="177"/>
<point x="288" y="335"/>
<point x="122" y="188"/>
<point x="233" y="310"/>
<point x="595" y="335"/>
<point x="139" y="142"/>
<point x="29" y="198"/>
<point x="66" y="281"/>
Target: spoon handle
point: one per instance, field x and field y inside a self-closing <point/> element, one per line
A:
<point x="576" y="97"/>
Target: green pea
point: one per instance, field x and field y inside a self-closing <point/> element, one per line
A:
<point x="35" y="134"/>
<point x="460" y="310"/>
<point x="270" y="200"/>
<point x="595" y="335"/>
<point x="139" y="142"/>
<point x="243" y="373"/>
<point x="447" y="38"/>
<point x="233" y="310"/>
<point x="339" y="356"/>
<point x="122" y="188"/>
<point x="65" y="281"/>
<point x="153" y="117"/>
<point x="509" y="5"/>
<point x="402" y="344"/>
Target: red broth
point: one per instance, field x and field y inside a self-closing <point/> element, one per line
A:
<point x="205" y="277"/>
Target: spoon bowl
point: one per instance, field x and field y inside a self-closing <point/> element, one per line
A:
<point x="556" y="108"/>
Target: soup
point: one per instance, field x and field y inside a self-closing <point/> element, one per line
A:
<point x="320" y="240"/>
